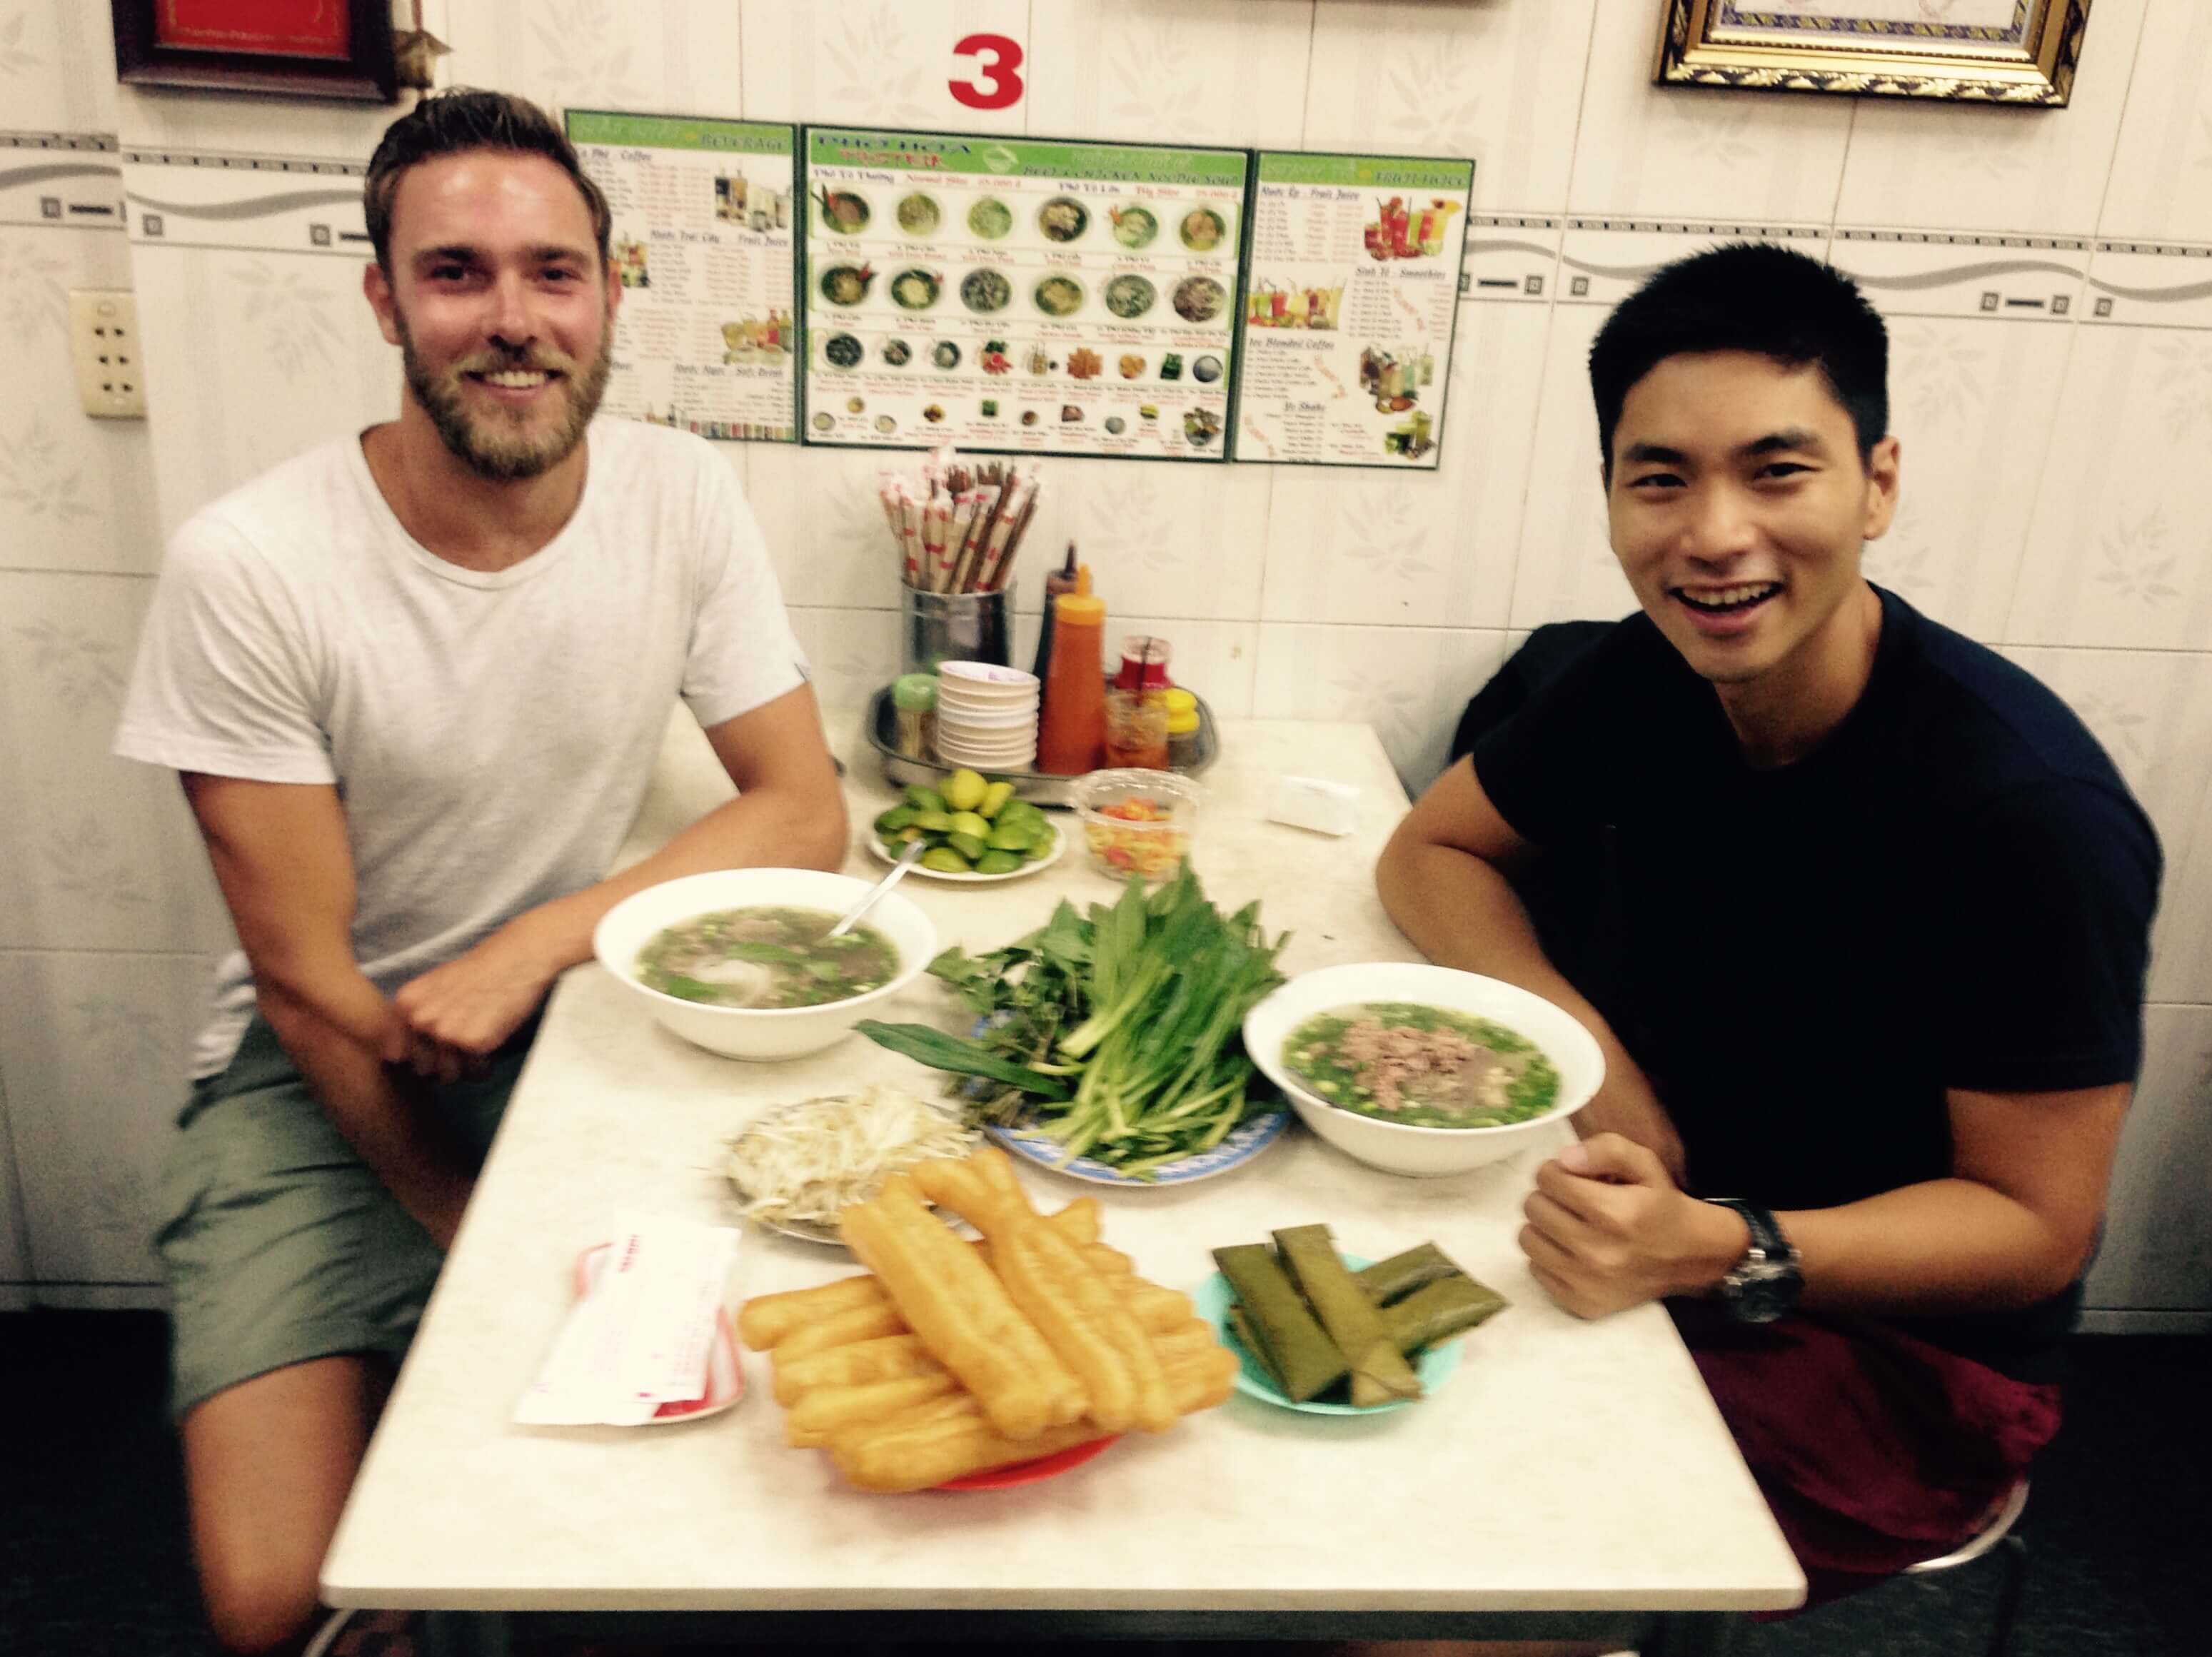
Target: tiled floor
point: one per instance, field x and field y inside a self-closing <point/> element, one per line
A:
<point x="93" y="1559"/>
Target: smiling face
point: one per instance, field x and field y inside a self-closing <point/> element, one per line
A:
<point x="1738" y="502"/>
<point x="502" y="311"/>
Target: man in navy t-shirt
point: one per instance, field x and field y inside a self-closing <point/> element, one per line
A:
<point x="1864" y="943"/>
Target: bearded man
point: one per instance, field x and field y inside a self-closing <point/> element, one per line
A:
<point x="414" y="682"/>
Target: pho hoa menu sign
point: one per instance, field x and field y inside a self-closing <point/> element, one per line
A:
<point x="1351" y="297"/>
<point x="705" y="230"/>
<point x="1020" y="295"/>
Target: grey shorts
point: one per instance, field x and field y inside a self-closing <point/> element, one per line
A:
<point x="279" y="1244"/>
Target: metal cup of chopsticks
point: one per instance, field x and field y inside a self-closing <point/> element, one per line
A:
<point x="956" y="529"/>
<point x="952" y="627"/>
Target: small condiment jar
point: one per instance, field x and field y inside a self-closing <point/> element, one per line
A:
<point x="1136" y="706"/>
<point x="913" y="695"/>
<point x="1182" y="729"/>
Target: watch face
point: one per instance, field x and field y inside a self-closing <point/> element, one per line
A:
<point x="1763" y="1298"/>
<point x="1760" y="1290"/>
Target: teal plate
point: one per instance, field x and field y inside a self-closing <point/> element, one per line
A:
<point x="1213" y="1299"/>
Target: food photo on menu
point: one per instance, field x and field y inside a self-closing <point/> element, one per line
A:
<point x="1054" y="298"/>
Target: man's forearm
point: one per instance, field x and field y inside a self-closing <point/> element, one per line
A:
<point x="1460" y="912"/>
<point x="378" y="1108"/>
<point x="758" y="828"/>
<point x="1941" y="1245"/>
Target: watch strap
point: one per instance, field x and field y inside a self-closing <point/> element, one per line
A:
<point x="1765" y="1232"/>
<point x="1765" y="1283"/>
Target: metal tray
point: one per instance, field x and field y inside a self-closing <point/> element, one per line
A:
<point x="1043" y="787"/>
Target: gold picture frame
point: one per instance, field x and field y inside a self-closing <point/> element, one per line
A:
<point x="2018" y="53"/>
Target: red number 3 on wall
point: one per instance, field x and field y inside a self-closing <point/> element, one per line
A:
<point x="996" y="84"/>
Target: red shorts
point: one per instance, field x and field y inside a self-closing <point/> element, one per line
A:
<point x="1873" y="1449"/>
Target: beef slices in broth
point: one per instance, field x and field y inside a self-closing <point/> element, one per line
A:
<point x="1421" y="1065"/>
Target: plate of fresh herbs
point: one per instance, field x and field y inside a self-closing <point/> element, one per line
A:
<point x="1108" y="1044"/>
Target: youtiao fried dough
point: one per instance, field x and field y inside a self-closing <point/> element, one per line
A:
<point x="1081" y="1317"/>
<point x="928" y="1447"/>
<point x="896" y="1417"/>
<point x="765" y="1319"/>
<point x="963" y="1312"/>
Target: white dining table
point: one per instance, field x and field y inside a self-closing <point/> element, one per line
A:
<point x="1573" y="1477"/>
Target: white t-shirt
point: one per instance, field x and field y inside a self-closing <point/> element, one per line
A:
<point x="490" y="735"/>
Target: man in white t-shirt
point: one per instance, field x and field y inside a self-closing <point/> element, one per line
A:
<point x="415" y="684"/>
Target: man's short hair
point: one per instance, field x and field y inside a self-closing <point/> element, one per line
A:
<point x="453" y="123"/>
<point x="1748" y="296"/>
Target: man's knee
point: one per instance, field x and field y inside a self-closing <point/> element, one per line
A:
<point x="259" y="1606"/>
<point x="268" y="1464"/>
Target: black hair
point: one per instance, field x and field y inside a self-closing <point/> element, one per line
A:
<point x="1748" y="296"/>
<point x="452" y="123"/>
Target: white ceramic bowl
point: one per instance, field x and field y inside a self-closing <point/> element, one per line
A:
<point x="986" y="679"/>
<point x="988" y="724"/>
<point x="1398" y="1147"/>
<point x="759" y="1032"/>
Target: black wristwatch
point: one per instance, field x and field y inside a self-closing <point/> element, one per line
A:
<point x="1765" y="1284"/>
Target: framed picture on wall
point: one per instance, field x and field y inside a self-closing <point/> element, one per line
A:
<point x="298" y="48"/>
<point x="1988" y="52"/>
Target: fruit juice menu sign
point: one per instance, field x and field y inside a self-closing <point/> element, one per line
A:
<point x="1352" y="294"/>
<point x="1021" y="296"/>
<point x="705" y="230"/>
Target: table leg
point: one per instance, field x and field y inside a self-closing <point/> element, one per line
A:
<point x="465" y="1634"/>
<point x="1691" y="1634"/>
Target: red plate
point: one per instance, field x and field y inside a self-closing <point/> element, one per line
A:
<point x="1028" y="1472"/>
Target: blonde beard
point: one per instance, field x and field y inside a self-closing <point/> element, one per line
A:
<point x="503" y="457"/>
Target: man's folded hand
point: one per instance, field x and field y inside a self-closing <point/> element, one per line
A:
<point x="453" y="1017"/>
<point x="1608" y="1230"/>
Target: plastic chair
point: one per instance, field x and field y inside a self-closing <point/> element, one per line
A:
<point x="1998" y="1534"/>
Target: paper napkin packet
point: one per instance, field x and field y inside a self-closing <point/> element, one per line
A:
<point x="642" y="1329"/>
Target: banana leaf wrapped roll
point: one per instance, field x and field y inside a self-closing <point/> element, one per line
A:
<point x="1401" y="1274"/>
<point x="1276" y="1328"/>
<point x="1439" y="1310"/>
<point x="1379" y="1370"/>
<point x="1248" y="1338"/>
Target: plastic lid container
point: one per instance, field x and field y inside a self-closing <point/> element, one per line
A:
<point x="1183" y="711"/>
<point x="1138" y="823"/>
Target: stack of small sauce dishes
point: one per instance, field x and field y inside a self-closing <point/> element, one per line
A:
<point x="986" y="716"/>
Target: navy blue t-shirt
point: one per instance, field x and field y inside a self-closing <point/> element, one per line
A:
<point x="1954" y="889"/>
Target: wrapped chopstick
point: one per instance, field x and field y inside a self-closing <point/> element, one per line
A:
<point x="958" y="526"/>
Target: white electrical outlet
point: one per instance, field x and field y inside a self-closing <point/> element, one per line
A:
<point x="111" y="371"/>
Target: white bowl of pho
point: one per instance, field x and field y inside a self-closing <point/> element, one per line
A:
<point x="1422" y="1070"/>
<point x="736" y="960"/>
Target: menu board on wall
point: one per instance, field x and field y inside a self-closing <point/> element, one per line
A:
<point x="1021" y="296"/>
<point x="704" y="232"/>
<point x="1350" y="300"/>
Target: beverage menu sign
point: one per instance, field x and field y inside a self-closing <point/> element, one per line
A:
<point x="1021" y="296"/>
<point x="705" y="232"/>
<point x="1353" y="290"/>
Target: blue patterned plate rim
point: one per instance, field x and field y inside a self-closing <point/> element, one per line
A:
<point x="1241" y="1143"/>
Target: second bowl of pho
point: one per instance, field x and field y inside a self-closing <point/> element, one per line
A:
<point x="737" y="960"/>
<point x="1422" y="1070"/>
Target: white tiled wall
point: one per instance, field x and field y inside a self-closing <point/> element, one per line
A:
<point x="2047" y="275"/>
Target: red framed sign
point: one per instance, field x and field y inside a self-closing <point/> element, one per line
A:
<point x="301" y="48"/>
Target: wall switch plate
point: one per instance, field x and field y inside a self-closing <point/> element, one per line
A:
<point x="110" y="370"/>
